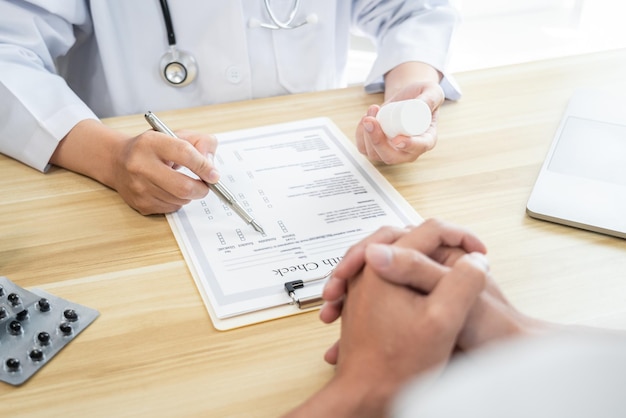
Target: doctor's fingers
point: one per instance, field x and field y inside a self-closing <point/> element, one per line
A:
<point x="148" y="168"/>
<point x="372" y="142"/>
<point x="174" y="186"/>
<point x="148" y="198"/>
<point x="366" y="135"/>
<point x="400" y="149"/>
<point x="204" y="143"/>
<point x="409" y="148"/>
<point x="193" y="151"/>
<point x="377" y="146"/>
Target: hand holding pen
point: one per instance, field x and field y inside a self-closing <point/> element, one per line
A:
<point x="141" y="168"/>
<point x="217" y="187"/>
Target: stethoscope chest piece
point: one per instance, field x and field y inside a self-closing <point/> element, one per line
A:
<point x="178" y="68"/>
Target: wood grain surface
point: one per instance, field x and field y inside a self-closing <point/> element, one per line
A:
<point x="153" y="351"/>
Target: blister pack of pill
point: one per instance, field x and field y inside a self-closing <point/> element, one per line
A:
<point x="34" y="326"/>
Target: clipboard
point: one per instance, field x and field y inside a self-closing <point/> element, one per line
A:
<point x="315" y="196"/>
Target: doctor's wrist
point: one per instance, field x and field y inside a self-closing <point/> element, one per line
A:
<point x="90" y="149"/>
<point x="407" y="74"/>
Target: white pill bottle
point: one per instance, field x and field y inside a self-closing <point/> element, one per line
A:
<point x="407" y="117"/>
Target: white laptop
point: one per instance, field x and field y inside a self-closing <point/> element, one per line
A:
<point x="582" y="182"/>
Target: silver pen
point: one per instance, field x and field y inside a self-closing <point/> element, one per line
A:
<point x="218" y="188"/>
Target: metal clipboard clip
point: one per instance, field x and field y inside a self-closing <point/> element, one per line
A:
<point x="306" y="301"/>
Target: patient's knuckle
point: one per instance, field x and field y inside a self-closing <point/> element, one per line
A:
<point x="438" y="317"/>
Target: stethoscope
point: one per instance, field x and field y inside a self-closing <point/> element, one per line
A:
<point x="179" y="68"/>
<point x="277" y="24"/>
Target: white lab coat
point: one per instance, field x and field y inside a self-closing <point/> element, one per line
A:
<point x="109" y="53"/>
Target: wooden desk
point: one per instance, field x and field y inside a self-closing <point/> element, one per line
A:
<point x="153" y="351"/>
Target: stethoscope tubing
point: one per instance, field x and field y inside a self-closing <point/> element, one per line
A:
<point x="179" y="68"/>
<point x="171" y="36"/>
<point x="276" y="21"/>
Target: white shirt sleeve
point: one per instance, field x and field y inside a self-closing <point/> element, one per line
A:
<point x="405" y="31"/>
<point x="37" y="107"/>
<point x="570" y="375"/>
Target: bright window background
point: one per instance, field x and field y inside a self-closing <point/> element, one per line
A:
<point x="500" y="32"/>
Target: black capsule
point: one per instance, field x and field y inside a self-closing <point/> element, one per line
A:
<point x="14" y="299"/>
<point x="36" y="354"/>
<point x="3" y="313"/>
<point x="22" y="315"/>
<point x="43" y="338"/>
<point x="43" y="305"/>
<point x="65" y="328"/>
<point x="70" y="315"/>
<point x="15" y="328"/>
<point x="13" y="364"/>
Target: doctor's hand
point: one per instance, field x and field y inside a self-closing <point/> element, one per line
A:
<point x="142" y="169"/>
<point x="372" y="142"/>
<point x="146" y="175"/>
<point x="390" y="334"/>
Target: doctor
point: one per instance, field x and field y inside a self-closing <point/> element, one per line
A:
<point x="66" y="63"/>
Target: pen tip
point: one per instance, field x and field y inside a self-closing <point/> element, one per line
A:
<point x="257" y="227"/>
